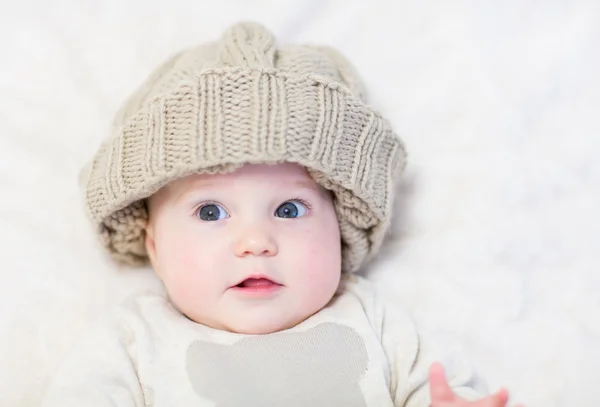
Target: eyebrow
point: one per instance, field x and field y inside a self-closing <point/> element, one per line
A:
<point x="314" y="186"/>
<point x="206" y="183"/>
<point x="306" y="184"/>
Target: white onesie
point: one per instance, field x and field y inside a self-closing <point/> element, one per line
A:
<point x="356" y="352"/>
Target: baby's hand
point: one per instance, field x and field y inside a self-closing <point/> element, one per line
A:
<point x="443" y="396"/>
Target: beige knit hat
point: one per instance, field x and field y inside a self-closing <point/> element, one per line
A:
<point x="241" y="100"/>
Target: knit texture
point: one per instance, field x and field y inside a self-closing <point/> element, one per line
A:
<point x="242" y="100"/>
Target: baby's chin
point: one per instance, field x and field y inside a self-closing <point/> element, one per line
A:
<point x="254" y="326"/>
<point x="262" y="327"/>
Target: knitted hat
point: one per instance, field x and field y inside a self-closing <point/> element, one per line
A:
<point x="242" y="100"/>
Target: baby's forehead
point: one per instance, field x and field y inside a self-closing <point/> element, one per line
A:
<point x="269" y="176"/>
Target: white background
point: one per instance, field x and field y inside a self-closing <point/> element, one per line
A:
<point x="497" y="235"/>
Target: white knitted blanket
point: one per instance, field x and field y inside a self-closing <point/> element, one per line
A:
<point x="496" y="246"/>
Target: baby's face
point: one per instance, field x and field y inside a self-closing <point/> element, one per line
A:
<point x="254" y="251"/>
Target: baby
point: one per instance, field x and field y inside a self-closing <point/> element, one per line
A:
<point x="256" y="181"/>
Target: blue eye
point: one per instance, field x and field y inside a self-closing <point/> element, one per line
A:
<point x="291" y="209"/>
<point x="211" y="212"/>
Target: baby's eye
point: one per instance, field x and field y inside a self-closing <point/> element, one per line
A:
<point x="211" y="212"/>
<point x="291" y="209"/>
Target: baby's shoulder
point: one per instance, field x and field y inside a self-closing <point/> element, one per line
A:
<point x="140" y="300"/>
<point x="381" y="311"/>
<point x="370" y="296"/>
<point x="144" y="310"/>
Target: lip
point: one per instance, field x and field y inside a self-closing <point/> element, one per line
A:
<point x="256" y="277"/>
<point x="258" y="290"/>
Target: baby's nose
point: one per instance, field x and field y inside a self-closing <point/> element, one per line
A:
<point x="255" y="242"/>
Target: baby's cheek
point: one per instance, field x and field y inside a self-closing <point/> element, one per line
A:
<point x="324" y="246"/>
<point x="187" y="278"/>
<point x="191" y="292"/>
<point x="321" y="263"/>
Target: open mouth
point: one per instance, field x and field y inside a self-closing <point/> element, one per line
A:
<point x="257" y="284"/>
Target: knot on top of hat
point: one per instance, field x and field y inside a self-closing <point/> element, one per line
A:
<point x="249" y="45"/>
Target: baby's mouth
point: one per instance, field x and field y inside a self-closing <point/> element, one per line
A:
<point x="257" y="285"/>
<point x="256" y="282"/>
